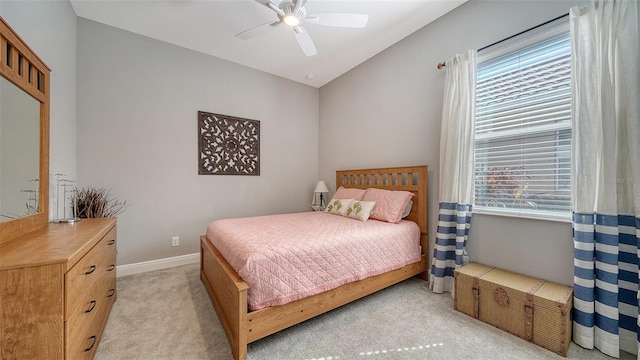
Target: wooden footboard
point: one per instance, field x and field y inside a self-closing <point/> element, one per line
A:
<point x="270" y="320"/>
<point x="228" y="292"/>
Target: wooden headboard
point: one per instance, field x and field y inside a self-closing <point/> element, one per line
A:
<point x="407" y="178"/>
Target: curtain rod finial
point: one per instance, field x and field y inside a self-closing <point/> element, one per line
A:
<point x="441" y="65"/>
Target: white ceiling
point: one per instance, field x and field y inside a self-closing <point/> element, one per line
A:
<point x="210" y="26"/>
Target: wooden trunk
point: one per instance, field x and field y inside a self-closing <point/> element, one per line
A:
<point x="533" y="309"/>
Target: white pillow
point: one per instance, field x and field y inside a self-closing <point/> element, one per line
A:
<point x="407" y="210"/>
<point x="355" y="209"/>
<point x="360" y="210"/>
<point x="338" y="206"/>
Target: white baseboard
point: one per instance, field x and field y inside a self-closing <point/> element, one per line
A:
<point x="137" y="268"/>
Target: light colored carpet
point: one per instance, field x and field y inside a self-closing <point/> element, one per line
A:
<point x="166" y="314"/>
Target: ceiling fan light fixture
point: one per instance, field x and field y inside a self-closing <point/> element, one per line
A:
<point x="291" y="20"/>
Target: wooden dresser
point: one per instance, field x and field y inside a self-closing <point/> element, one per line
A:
<point x="57" y="286"/>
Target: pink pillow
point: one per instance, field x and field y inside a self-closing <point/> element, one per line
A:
<point x="349" y="193"/>
<point x="390" y="204"/>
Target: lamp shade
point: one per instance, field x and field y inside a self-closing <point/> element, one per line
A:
<point x="321" y="187"/>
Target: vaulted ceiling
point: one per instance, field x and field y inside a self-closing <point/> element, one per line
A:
<point x="210" y="26"/>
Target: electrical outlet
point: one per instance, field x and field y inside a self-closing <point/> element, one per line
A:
<point x="175" y="241"/>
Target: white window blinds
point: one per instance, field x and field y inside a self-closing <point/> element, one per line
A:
<point x="523" y="125"/>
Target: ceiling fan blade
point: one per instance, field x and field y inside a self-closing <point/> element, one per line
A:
<point x="299" y="4"/>
<point x="305" y="42"/>
<point x="271" y="5"/>
<point x="339" y="20"/>
<point x="258" y="30"/>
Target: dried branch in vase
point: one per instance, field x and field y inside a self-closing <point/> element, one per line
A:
<point x="96" y="203"/>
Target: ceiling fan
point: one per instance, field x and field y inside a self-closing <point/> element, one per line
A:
<point x="292" y="13"/>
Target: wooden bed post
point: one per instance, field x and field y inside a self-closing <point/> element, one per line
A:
<point x="229" y="297"/>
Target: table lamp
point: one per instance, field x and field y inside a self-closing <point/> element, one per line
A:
<point x="321" y="188"/>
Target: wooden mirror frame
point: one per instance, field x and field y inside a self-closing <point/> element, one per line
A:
<point x="26" y="71"/>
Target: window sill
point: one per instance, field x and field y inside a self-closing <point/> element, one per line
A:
<point x="522" y="215"/>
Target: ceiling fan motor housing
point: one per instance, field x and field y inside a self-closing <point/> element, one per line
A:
<point x="288" y="7"/>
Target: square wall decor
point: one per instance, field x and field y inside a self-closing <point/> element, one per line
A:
<point x="228" y="145"/>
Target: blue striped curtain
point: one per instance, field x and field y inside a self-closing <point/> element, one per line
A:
<point x="606" y="282"/>
<point x="606" y="175"/>
<point x="454" y="221"/>
<point x="456" y="171"/>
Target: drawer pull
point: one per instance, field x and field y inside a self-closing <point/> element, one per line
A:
<point x="91" y="307"/>
<point x="112" y="292"/>
<point x="91" y="270"/>
<point x="93" y="342"/>
<point x="111" y="267"/>
<point x="111" y="242"/>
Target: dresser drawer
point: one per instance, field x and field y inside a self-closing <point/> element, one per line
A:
<point x="85" y="325"/>
<point x="109" y="290"/>
<point x="109" y="295"/>
<point x="84" y="344"/>
<point x="81" y="330"/>
<point x="84" y="328"/>
<point x="108" y="253"/>
<point x="106" y="285"/>
<point x="88" y="270"/>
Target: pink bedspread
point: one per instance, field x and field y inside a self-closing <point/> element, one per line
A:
<point x="291" y="256"/>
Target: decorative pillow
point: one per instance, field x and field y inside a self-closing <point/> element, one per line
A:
<point x="360" y="210"/>
<point x="338" y="206"/>
<point x="349" y="193"/>
<point x="390" y="204"/>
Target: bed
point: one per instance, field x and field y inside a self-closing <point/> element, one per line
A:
<point x="229" y="291"/>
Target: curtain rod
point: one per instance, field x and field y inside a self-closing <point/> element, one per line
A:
<point x="443" y="64"/>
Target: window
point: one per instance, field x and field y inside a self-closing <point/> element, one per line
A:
<point x="523" y="124"/>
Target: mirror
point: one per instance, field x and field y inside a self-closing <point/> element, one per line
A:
<point x="24" y="137"/>
<point x="19" y="152"/>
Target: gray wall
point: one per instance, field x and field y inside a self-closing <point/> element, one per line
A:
<point x="387" y="112"/>
<point x="49" y="27"/>
<point x="138" y="100"/>
<point x="136" y="133"/>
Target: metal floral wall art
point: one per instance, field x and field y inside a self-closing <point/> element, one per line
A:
<point x="228" y="145"/>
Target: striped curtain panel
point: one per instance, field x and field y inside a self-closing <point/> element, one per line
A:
<point x="606" y="175"/>
<point x="456" y="171"/>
